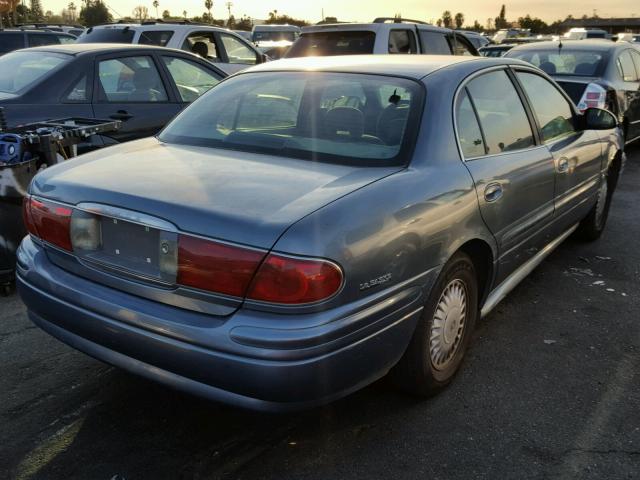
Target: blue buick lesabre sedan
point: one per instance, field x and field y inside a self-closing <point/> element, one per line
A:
<point x="312" y="225"/>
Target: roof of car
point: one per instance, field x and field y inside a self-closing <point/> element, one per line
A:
<point x="588" y="45"/>
<point x="81" y="48"/>
<point x="412" y="66"/>
<point x="373" y="27"/>
<point x="36" y="31"/>
<point x="159" y="26"/>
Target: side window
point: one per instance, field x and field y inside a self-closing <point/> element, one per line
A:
<point x="130" y="79"/>
<point x="37" y="40"/>
<point x="501" y="113"/>
<point x="460" y="45"/>
<point x="554" y="114"/>
<point x="434" y="43"/>
<point x="402" y="41"/>
<point x="636" y="60"/>
<point x="157" y="37"/>
<point x="237" y="51"/>
<point x="64" y="39"/>
<point x="79" y="91"/>
<point x="469" y="133"/>
<point x="202" y="44"/>
<point x="191" y="79"/>
<point x="11" y="41"/>
<point x="626" y="67"/>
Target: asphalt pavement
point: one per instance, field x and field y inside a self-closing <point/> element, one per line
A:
<point x="549" y="389"/>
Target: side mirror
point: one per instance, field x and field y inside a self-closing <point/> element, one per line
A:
<point x="263" y="58"/>
<point x="599" y="119"/>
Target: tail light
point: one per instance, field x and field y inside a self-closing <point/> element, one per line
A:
<point x="216" y="267"/>
<point x="48" y="221"/>
<point x="238" y="271"/>
<point x="290" y="280"/>
<point x="594" y="96"/>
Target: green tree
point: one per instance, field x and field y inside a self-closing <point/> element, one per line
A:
<point x="36" y="10"/>
<point x="166" y="14"/>
<point x="459" y="19"/>
<point x="276" y="19"/>
<point x="534" y="24"/>
<point x="446" y="19"/>
<point x="208" y="4"/>
<point x="184" y="14"/>
<point x="94" y="13"/>
<point x="231" y="23"/>
<point x="501" y="19"/>
<point x="244" y="23"/>
<point x="72" y="9"/>
<point x="141" y="13"/>
<point x="439" y="22"/>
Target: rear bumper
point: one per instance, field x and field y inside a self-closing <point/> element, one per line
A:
<point x="270" y="369"/>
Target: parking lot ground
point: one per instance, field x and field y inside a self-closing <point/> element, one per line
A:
<point x="549" y="390"/>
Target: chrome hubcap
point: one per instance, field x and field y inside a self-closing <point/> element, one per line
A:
<point x="448" y="324"/>
<point x="602" y="201"/>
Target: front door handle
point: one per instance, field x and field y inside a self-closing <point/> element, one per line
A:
<point x="121" y="115"/>
<point x="563" y="165"/>
<point x="493" y="192"/>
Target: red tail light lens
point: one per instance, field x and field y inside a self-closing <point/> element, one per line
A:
<point x="290" y="280"/>
<point x="216" y="267"/>
<point x="48" y="221"/>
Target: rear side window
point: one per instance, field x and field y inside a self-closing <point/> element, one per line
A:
<point x="37" y="40"/>
<point x="159" y="38"/>
<point x="460" y="45"/>
<point x="553" y="112"/>
<point x="130" y="79"/>
<point x="191" y="79"/>
<point x="636" y="60"/>
<point x="626" y="67"/>
<point x="402" y="41"/>
<point x="65" y="39"/>
<point x="333" y="43"/>
<point x="469" y="133"/>
<point x="202" y="44"/>
<point x="434" y="43"/>
<point x="11" y="41"/>
<point x="107" y="35"/>
<point x="18" y="70"/>
<point x="563" y="62"/>
<point x="501" y="113"/>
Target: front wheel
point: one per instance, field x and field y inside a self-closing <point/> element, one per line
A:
<point x="440" y="340"/>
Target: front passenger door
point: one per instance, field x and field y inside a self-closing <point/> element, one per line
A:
<point x="577" y="154"/>
<point x="132" y="90"/>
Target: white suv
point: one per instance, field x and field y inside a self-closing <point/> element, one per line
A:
<point x="229" y="51"/>
<point x="383" y="36"/>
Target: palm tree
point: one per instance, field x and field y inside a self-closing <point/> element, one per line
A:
<point x="208" y="4"/>
<point x="156" y="4"/>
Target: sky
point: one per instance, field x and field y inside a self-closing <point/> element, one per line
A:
<point x="367" y="10"/>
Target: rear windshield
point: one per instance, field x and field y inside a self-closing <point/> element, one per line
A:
<point x="333" y="43"/>
<point x="274" y="36"/>
<point x="107" y="35"/>
<point x="18" y="70"/>
<point x="333" y="117"/>
<point x="564" y="62"/>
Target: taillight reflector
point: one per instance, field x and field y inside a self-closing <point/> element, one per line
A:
<point x="48" y="221"/>
<point x="216" y="267"/>
<point x="289" y="280"/>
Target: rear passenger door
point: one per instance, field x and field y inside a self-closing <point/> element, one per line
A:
<point x="513" y="174"/>
<point x="434" y="43"/>
<point x="132" y="88"/>
<point x="577" y="154"/>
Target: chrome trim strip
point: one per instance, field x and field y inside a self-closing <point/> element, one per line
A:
<point x="127" y="215"/>
<point x="502" y="290"/>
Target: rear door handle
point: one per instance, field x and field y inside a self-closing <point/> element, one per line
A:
<point x="121" y="115"/>
<point x="563" y="165"/>
<point x="493" y="192"/>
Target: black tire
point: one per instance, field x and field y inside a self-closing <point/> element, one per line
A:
<point x="415" y="372"/>
<point x="592" y="226"/>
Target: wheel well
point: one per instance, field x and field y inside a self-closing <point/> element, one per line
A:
<point x="482" y="257"/>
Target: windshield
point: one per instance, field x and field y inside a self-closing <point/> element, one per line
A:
<point x="352" y="118"/>
<point x="18" y="70"/>
<point x="274" y="36"/>
<point x="333" y="43"/>
<point x="563" y="62"/>
<point x="107" y="35"/>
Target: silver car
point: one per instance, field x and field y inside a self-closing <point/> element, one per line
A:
<point x="312" y="225"/>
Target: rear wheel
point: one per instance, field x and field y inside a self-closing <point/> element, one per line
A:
<point x="441" y="337"/>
